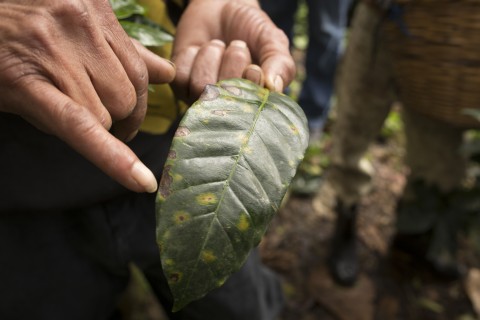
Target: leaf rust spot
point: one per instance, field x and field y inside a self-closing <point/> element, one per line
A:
<point x="172" y="154"/>
<point x="206" y="198"/>
<point x="181" y="217"/>
<point x="182" y="132"/>
<point x="243" y="223"/>
<point x="210" y="93"/>
<point x="165" y="182"/>
<point x="221" y="113"/>
<point x="294" y="129"/>
<point x="175" y="277"/>
<point x="233" y="90"/>
<point x="208" y="256"/>
<point x="247" y="108"/>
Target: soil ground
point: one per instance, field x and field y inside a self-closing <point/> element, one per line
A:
<point x="390" y="286"/>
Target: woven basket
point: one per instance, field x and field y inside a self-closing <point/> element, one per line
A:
<point x="436" y="58"/>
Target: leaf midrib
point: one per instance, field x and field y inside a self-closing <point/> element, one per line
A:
<point x="227" y="181"/>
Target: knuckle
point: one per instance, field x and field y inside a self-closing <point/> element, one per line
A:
<point x="139" y="74"/>
<point x="71" y="9"/>
<point x="126" y="99"/>
<point x="105" y="119"/>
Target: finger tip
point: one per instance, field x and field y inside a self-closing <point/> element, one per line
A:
<point x="144" y="177"/>
<point x="275" y="83"/>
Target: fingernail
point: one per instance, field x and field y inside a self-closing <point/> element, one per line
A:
<point x="238" y="44"/>
<point x="278" y="84"/>
<point x="254" y="74"/>
<point x="218" y="42"/>
<point x="144" y="177"/>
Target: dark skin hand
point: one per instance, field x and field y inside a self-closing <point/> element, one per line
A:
<point x="67" y="67"/>
<point x="220" y="39"/>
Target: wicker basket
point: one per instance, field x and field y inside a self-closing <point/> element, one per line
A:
<point x="436" y="58"/>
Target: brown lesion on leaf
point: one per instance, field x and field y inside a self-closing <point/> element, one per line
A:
<point x="210" y="93"/>
<point x="206" y="198"/>
<point x="181" y="216"/>
<point x="165" y="182"/>
<point x="172" y="154"/>
<point x="175" y="277"/>
<point x="233" y="90"/>
<point x="221" y="113"/>
<point x="182" y="132"/>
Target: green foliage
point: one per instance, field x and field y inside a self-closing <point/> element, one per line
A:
<point x="132" y="18"/>
<point x="230" y="164"/>
<point x="392" y="125"/>
<point x="300" y="29"/>
<point x="126" y="8"/>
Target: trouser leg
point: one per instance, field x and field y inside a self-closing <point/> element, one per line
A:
<point x="433" y="151"/>
<point x="327" y="21"/>
<point x="365" y="93"/>
<point x="282" y="13"/>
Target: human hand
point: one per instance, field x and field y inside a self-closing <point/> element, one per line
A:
<point x="67" y="67"/>
<point x="220" y="39"/>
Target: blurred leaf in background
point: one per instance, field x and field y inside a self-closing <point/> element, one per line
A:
<point x="132" y="18"/>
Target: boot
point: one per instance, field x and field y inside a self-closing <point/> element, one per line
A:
<point x="343" y="260"/>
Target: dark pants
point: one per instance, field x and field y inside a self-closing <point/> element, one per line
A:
<point x="72" y="263"/>
<point x="327" y="20"/>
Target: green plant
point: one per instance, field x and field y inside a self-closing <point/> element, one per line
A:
<point x="231" y="161"/>
<point x="131" y="16"/>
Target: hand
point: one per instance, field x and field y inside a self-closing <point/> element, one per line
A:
<point x="67" y="67"/>
<point x="219" y="39"/>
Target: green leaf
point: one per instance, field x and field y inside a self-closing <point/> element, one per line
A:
<point x="230" y="164"/>
<point x="147" y="35"/>
<point x="126" y="8"/>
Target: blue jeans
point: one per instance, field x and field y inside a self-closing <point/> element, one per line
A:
<point x="327" y="20"/>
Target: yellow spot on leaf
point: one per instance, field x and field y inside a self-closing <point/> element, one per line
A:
<point x="294" y="129"/>
<point x="206" y="198"/>
<point x="247" y="108"/>
<point x="181" y="217"/>
<point x="243" y="223"/>
<point x="177" y="177"/>
<point x="208" y="256"/>
<point x="169" y="262"/>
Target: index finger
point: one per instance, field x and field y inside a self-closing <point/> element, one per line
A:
<point x="79" y="128"/>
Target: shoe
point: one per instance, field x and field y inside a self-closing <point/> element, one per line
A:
<point x="427" y="226"/>
<point x="343" y="260"/>
<point x="443" y="264"/>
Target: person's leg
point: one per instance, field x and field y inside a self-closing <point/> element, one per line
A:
<point x="365" y="93"/>
<point x="429" y="214"/>
<point x="327" y="21"/>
